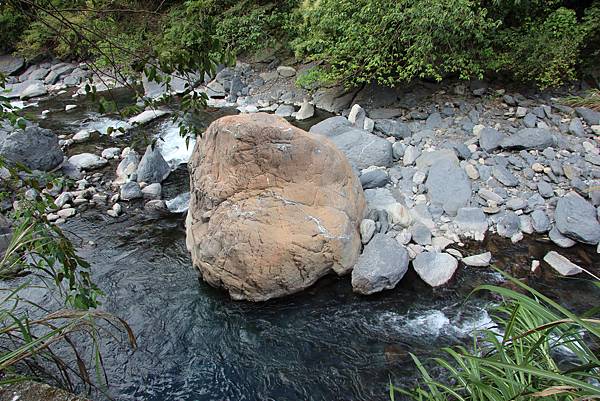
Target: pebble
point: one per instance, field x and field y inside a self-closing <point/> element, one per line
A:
<point x="561" y="264"/>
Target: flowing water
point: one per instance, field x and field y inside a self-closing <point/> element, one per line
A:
<point x="195" y="344"/>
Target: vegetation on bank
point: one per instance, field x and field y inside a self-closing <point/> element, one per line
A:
<point x="48" y="301"/>
<point x="546" y="42"/>
<point x="538" y="350"/>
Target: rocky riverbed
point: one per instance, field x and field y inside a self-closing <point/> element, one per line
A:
<point x="456" y="177"/>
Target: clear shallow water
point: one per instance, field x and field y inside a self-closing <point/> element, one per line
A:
<point x="195" y="344"/>
<point x="323" y="344"/>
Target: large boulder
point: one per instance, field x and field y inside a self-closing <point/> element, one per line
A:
<point x="35" y="147"/>
<point x="381" y="266"/>
<point x="272" y="207"/>
<point x="576" y="219"/>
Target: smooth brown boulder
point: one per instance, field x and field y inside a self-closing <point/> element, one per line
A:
<point x="272" y="209"/>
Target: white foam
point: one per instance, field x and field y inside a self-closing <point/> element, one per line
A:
<point x="173" y="146"/>
<point x="179" y="204"/>
<point x="101" y="125"/>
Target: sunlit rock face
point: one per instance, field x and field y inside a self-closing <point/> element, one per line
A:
<point x="272" y="209"/>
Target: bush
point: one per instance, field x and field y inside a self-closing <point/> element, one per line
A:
<point x="393" y="41"/>
<point x="390" y="42"/>
<point x="11" y="23"/>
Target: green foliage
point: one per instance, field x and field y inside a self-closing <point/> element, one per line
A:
<point x="541" y="42"/>
<point x="47" y="259"/>
<point x="521" y="359"/>
<point x="11" y="22"/>
<point x="545" y="52"/>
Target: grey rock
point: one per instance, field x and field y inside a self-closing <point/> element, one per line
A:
<point x="559" y="239"/>
<point x="374" y="179"/>
<point x="397" y="129"/>
<point x="398" y="149"/>
<point x="130" y="191"/>
<point x="332" y="126"/>
<point x="307" y="110"/>
<point x="55" y="74"/>
<point x="380" y="267"/>
<point x="286" y="72"/>
<point x="367" y="230"/>
<point x="530" y="120"/>
<point x="411" y="153"/>
<point x="87" y="161"/>
<point x="153" y="167"/>
<point x="31" y="89"/>
<point x="35" y="147"/>
<point x="364" y="149"/>
<point x="576" y="218"/>
<point x="152" y="191"/>
<point x="471" y="220"/>
<point x="215" y="90"/>
<point x="508" y="225"/>
<point x="516" y="204"/>
<point x="576" y="127"/>
<point x="128" y="165"/>
<point x="540" y="221"/>
<point x="503" y="175"/>
<point x="479" y="260"/>
<point x="63" y="199"/>
<point x="545" y="189"/>
<point x="590" y="116"/>
<point x="434" y="268"/>
<point x="420" y="234"/>
<point x="427" y="159"/>
<point x="10" y="65"/>
<point x="434" y="121"/>
<point x="529" y="138"/>
<point x="284" y="110"/>
<point x="526" y="224"/>
<point x="448" y="186"/>
<point x="490" y="139"/>
<point x="357" y="116"/>
<point x="561" y="264"/>
<point x="490" y="196"/>
<point x="38" y="74"/>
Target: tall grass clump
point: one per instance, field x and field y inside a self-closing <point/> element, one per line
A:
<point x="539" y="350"/>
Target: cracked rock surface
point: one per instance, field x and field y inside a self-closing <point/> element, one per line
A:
<point x="273" y="208"/>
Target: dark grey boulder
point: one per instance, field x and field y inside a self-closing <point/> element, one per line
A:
<point x="529" y="138"/>
<point x="374" y="179"/>
<point x="153" y="167"/>
<point x="381" y="266"/>
<point x="35" y="147"/>
<point x="576" y="218"/>
<point x="397" y="129"/>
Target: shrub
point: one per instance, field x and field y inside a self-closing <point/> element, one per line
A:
<point x="11" y="23"/>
